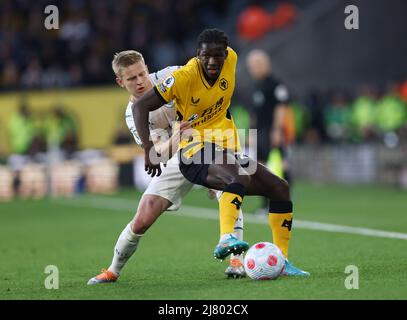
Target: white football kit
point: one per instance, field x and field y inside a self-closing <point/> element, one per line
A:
<point x="171" y="184"/>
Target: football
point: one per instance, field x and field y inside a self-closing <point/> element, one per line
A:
<point x="264" y="261"/>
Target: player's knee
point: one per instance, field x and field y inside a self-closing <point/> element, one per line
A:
<point x="147" y="213"/>
<point x="244" y="180"/>
<point x="140" y="224"/>
<point x="228" y="179"/>
<point x="138" y="227"/>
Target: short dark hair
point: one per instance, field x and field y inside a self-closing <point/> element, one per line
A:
<point x="213" y="36"/>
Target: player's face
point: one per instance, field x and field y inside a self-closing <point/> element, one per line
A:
<point x="212" y="56"/>
<point x="135" y="79"/>
<point x="258" y="65"/>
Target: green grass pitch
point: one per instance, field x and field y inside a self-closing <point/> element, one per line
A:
<point x="174" y="259"/>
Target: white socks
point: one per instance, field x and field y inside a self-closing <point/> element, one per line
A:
<point x="125" y="246"/>
<point x="238" y="234"/>
<point x="239" y="226"/>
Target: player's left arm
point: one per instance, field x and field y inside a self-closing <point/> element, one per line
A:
<point x="282" y="96"/>
<point x="148" y="102"/>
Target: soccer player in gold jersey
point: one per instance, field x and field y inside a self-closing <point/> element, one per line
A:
<point x="202" y="91"/>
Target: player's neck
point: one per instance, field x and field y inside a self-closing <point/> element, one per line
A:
<point x="210" y="81"/>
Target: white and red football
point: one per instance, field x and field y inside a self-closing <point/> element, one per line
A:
<point x="264" y="261"/>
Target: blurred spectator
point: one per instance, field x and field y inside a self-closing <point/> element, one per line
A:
<point x="122" y="136"/>
<point x="25" y="134"/>
<point x="270" y="107"/>
<point x="302" y="120"/>
<point x="269" y="102"/>
<point x="391" y="111"/>
<point x="337" y="118"/>
<point x="363" y="114"/>
<point x="315" y="134"/>
<point x="10" y="76"/>
<point x="61" y="131"/>
<point x="31" y="77"/>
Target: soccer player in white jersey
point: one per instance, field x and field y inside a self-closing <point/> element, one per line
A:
<point x="164" y="192"/>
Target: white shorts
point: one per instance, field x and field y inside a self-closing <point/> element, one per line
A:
<point x="171" y="184"/>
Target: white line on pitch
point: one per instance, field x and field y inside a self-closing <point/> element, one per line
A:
<point x="119" y="204"/>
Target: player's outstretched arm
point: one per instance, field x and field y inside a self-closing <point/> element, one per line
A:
<point x="141" y="108"/>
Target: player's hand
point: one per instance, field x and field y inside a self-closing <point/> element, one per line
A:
<point x="151" y="162"/>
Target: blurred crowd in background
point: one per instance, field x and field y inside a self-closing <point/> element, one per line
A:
<point x="31" y="134"/>
<point x="336" y="118"/>
<point x="79" y="54"/>
<point x="368" y="115"/>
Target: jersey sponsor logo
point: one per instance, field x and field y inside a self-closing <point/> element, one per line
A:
<point x="169" y="81"/>
<point x="223" y="84"/>
<point x="195" y="102"/>
<point x="210" y="112"/>
<point x="212" y="107"/>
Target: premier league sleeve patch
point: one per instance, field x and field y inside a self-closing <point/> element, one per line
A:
<point x="169" y="82"/>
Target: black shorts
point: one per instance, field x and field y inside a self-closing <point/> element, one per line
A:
<point x="195" y="169"/>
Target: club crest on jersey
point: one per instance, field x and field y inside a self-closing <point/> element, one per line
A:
<point x="223" y="84"/>
<point x="237" y="203"/>
<point x="169" y="81"/>
<point x="287" y="223"/>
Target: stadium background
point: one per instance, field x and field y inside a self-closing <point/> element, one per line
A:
<point x="348" y="162"/>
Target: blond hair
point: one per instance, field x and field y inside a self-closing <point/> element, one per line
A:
<point x="124" y="59"/>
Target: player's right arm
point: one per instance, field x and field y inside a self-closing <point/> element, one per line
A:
<point x="148" y="102"/>
<point x="168" y="90"/>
